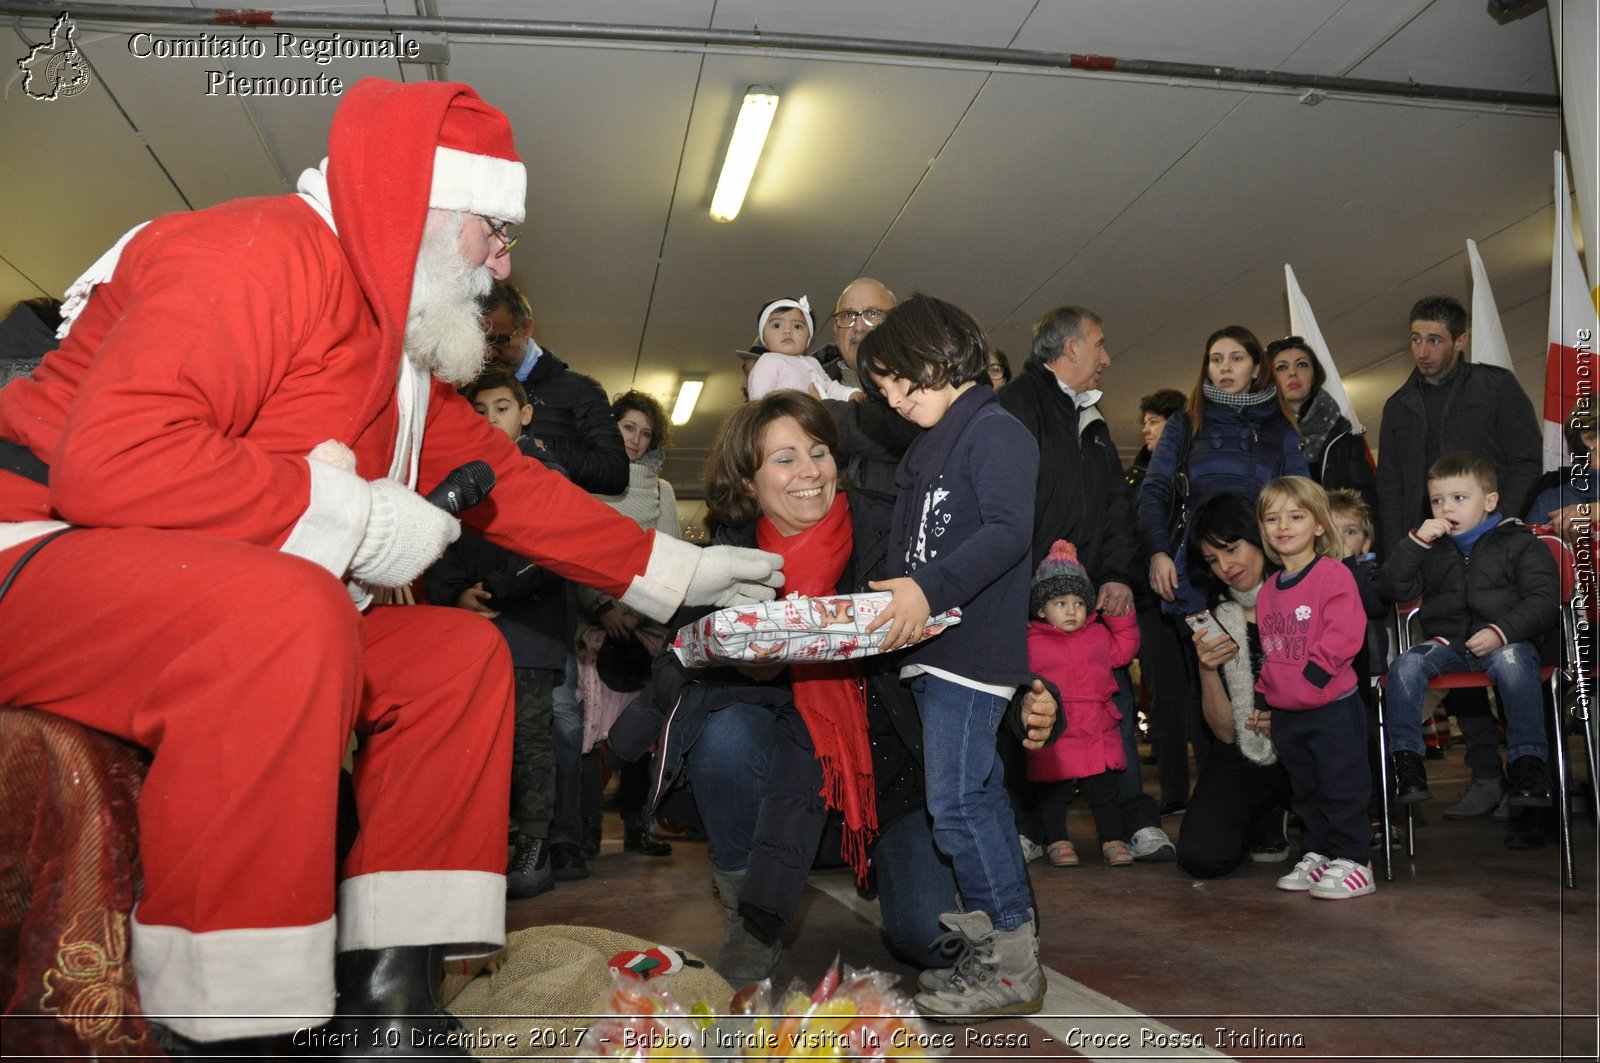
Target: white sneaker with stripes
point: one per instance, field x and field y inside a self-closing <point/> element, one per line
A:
<point x="1342" y="879"/>
<point x="1304" y="874"/>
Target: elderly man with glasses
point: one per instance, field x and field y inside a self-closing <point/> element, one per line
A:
<point x="872" y="437"/>
<point x="571" y="414"/>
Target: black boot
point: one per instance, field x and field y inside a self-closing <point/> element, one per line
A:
<point x="528" y="873"/>
<point x="1410" y="777"/>
<point x="1530" y="783"/>
<point x="388" y="1005"/>
<point x="637" y="837"/>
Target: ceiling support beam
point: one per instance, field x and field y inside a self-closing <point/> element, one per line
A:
<point x="1090" y="65"/>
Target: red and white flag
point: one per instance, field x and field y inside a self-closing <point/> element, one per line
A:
<point x="1569" y="371"/>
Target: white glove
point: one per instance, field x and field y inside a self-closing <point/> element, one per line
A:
<point x="733" y="575"/>
<point x="405" y="534"/>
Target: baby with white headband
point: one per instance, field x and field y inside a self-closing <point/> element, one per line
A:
<point x="784" y="328"/>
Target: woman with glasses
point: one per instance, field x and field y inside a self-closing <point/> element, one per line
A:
<point x="998" y="369"/>
<point x="1337" y="457"/>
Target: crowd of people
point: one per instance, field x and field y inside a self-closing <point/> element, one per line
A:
<point x="263" y="438"/>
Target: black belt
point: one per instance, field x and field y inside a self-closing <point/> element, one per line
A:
<point x="14" y="457"/>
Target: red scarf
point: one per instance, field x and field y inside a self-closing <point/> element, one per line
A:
<point x="830" y="696"/>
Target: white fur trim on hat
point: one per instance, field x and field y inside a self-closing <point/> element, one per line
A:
<point x="802" y="304"/>
<point x="478" y="184"/>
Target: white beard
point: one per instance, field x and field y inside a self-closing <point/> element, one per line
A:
<point x="444" y="329"/>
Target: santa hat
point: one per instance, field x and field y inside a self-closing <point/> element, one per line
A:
<point x="1059" y="573"/>
<point x="802" y="304"/>
<point x="394" y="151"/>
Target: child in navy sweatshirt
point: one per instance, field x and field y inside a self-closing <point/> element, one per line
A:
<point x="1312" y="626"/>
<point x="961" y="536"/>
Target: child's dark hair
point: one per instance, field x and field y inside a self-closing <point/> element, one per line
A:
<point x="1219" y="521"/>
<point x="660" y="425"/>
<point x="497" y="376"/>
<point x="1466" y="463"/>
<point x="928" y="342"/>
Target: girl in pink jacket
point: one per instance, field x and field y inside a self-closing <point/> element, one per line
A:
<point x="1312" y="625"/>
<point x="1076" y="649"/>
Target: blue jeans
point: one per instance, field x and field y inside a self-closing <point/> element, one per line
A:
<point x="972" y="820"/>
<point x="1514" y="668"/>
<point x="727" y="769"/>
<point x="566" y="732"/>
<point x="915" y="886"/>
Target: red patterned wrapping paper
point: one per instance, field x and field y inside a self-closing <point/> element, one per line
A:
<point x="792" y="629"/>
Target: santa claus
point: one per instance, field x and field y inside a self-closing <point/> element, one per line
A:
<point x="200" y="488"/>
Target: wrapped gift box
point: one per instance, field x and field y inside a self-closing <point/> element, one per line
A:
<point x="792" y="629"/>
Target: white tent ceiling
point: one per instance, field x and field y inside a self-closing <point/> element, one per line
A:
<point x="1169" y="205"/>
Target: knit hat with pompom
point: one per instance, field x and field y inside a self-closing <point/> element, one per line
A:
<point x="1060" y="573"/>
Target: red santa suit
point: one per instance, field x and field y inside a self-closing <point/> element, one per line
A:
<point x="199" y="609"/>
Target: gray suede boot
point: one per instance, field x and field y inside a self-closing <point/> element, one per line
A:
<point x="744" y="958"/>
<point x="999" y="975"/>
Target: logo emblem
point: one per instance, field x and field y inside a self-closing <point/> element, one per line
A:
<point x="51" y="71"/>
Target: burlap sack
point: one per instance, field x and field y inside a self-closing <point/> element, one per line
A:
<point x="550" y="982"/>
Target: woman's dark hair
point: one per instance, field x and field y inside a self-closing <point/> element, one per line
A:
<point x="1219" y="521"/>
<point x="929" y="343"/>
<point x="1319" y="375"/>
<point x="660" y="426"/>
<point x="1262" y="378"/>
<point x="736" y="453"/>
<point x="1004" y="363"/>
<point x="1163" y="403"/>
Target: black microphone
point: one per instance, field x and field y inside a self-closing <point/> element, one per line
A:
<point x="464" y="487"/>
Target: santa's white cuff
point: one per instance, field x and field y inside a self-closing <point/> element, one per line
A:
<point x="465" y="911"/>
<point x="660" y="590"/>
<point x="335" y="520"/>
<point x="249" y="982"/>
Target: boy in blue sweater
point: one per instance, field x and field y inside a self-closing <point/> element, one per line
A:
<point x="965" y="518"/>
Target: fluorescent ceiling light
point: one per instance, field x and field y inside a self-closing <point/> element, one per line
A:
<point x="749" y="135"/>
<point x="688" y="395"/>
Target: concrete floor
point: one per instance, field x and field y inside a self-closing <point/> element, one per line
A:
<point x="1473" y="952"/>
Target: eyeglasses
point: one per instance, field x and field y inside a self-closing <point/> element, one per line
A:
<point x="847" y="318"/>
<point x="1288" y="343"/>
<point x="507" y="238"/>
<point x="500" y="339"/>
<point x="995" y="371"/>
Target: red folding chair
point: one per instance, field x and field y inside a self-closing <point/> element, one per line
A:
<point x="1573" y="673"/>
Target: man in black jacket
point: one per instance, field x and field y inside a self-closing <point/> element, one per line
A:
<point x="1448" y="404"/>
<point x="571" y="415"/>
<point x="1081" y="497"/>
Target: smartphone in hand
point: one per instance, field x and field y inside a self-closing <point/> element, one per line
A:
<point x="1204" y="622"/>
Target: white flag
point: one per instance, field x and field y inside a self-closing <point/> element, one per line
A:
<point x="1303" y="323"/>
<point x="1489" y="345"/>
